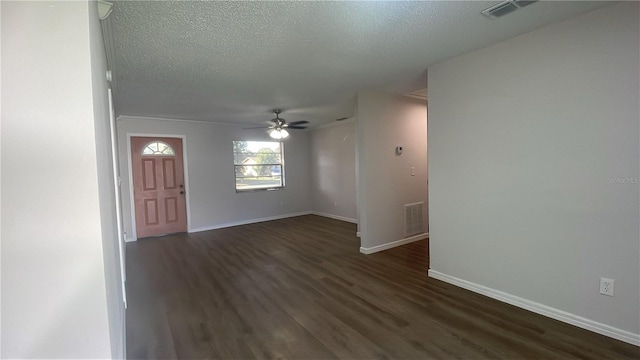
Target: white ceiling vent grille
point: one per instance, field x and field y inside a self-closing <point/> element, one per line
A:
<point x="418" y="94"/>
<point x="413" y="219"/>
<point x="506" y="7"/>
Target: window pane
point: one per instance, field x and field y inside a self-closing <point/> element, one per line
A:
<point x="258" y="165"/>
<point x="257" y="152"/>
<point x="157" y="148"/>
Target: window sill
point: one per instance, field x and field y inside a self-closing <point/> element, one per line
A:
<point x="260" y="189"/>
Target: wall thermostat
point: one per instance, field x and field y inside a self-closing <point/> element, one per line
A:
<point x="398" y="150"/>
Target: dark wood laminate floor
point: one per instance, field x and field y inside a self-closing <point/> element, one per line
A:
<point x="298" y="288"/>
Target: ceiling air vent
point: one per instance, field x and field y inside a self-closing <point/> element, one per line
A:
<point x="418" y="94"/>
<point x="506" y="7"/>
<point x="523" y="3"/>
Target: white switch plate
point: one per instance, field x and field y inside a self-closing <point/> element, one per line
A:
<point x="413" y="171"/>
<point x="606" y="286"/>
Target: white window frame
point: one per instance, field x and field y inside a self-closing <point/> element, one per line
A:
<point x="280" y="164"/>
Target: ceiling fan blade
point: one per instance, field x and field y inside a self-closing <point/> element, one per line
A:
<point x="296" y="127"/>
<point x="257" y="127"/>
<point x="298" y="122"/>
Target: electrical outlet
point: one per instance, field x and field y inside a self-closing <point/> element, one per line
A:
<point x="606" y="286"/>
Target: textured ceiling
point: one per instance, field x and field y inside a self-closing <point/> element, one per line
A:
<point x="236" y="61"/>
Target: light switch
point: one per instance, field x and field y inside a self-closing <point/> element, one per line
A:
<point x="413" y="171"/>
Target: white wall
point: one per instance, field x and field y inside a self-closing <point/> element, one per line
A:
<point x="212" y="199"/>
<point x="54" y="302"/>
<point x="0" y="185"/>
<point x="527" y="139"/>
<point x="333" y="171"/>
<point x="106" y="186"/>
<point x="385" y="183"/>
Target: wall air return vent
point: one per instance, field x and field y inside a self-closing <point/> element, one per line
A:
<point x="506" y="7"/>
<point x="413" y="219"/>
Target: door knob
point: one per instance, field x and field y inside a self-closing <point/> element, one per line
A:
<point x="182" y="192"/>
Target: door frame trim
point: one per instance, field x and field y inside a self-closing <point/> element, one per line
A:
<point x="134" y="231"/>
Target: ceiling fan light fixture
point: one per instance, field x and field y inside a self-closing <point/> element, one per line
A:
<point x="275" y="134"/>
<point x="278" y="133"/>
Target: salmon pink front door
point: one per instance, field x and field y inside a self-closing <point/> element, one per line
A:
<point x="158" y="186"/>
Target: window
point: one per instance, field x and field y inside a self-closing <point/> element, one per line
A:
<point x="157" y="148"/>
<point x="259" y="165"/>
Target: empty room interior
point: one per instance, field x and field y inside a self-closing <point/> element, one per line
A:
<point x="320" y="180"/>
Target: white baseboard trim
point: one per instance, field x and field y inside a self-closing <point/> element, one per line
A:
<point x="541" y="309"/>
<point x="130" y="239"/>
<point x="337" y="217"/>
<point x="246" y="222"/>
<point x="393" y="244"/>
